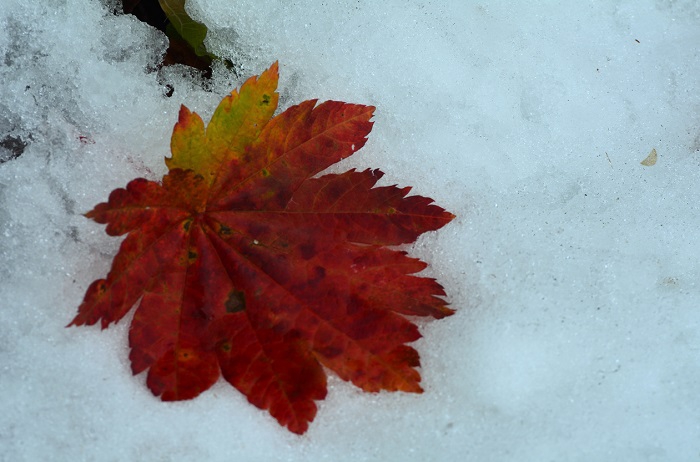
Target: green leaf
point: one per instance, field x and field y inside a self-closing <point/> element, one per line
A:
<point x="191" y="31"/>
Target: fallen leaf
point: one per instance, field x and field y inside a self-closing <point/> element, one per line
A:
<point x="185" y="35"/>
<point x="244" y="263"/>
<point x="191" y="31"/>
<point x="650" y="159"/>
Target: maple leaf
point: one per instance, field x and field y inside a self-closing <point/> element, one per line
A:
<point x="244" y="263"/>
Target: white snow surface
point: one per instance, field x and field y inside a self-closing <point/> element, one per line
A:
<point x="573" y="268"/>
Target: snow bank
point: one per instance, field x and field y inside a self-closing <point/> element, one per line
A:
<point x="574" y="268"/>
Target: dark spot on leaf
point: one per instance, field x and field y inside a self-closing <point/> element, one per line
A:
<point x="265" y="100"/>
<point x="329" y="352"/>
<point x="307" y="251"/>
<point x="225" y="346"/>
<point x="186" y="225"/>
<point x="354" y="305"/>
<point x="235" y="301"/>
<point x="199" y="314"/>
<point x="224" y="230"/>
<point x="192" y="256"/>
<point x="317" y="275"/>
<point x="293" y="335"/>
<point x="265" y="172"/>
<point x="408" y="355"/>
<point x="186" y="354"/>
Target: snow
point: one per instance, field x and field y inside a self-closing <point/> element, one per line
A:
<point x="574" y="268"/>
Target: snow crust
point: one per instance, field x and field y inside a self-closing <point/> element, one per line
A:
<point x="574" y="268"/>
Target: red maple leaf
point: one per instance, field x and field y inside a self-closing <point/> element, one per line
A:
<point x="243" y="263"/>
